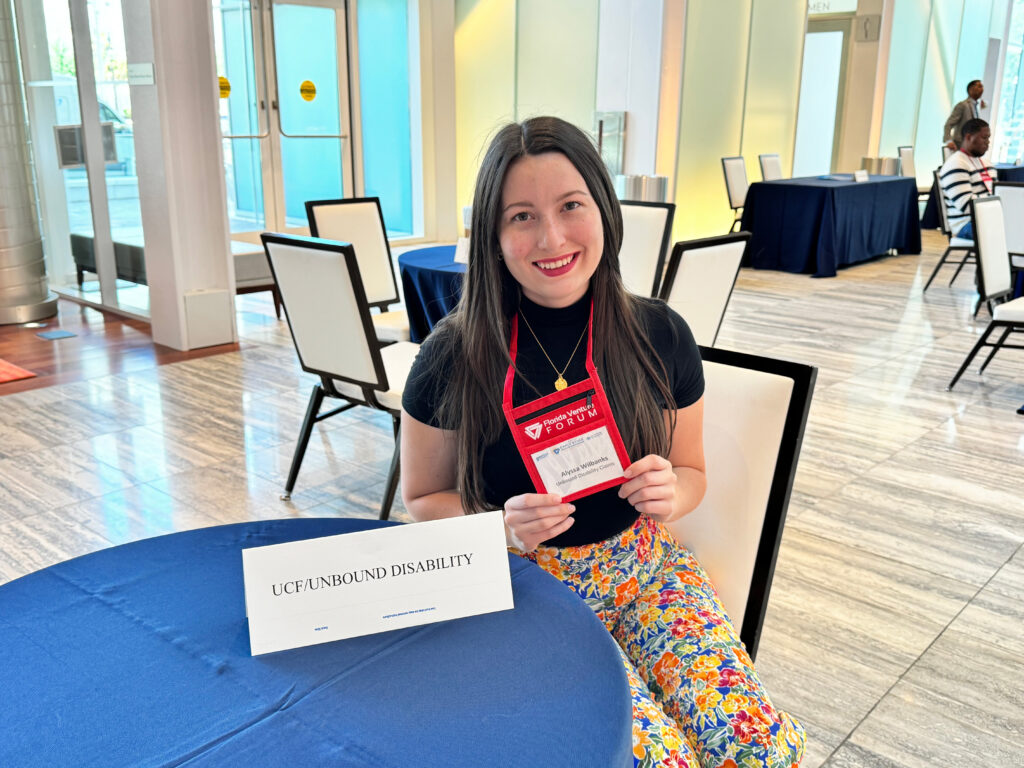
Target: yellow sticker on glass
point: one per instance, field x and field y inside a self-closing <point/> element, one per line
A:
<point x="225" y="87"/>
<point x="307" y="90"/>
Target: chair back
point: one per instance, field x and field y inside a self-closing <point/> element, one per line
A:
<point x="907" y="162"/>
<point x="1012" y="195"/>
<point x="645" y="231"/>
<point x="735" y="170"/>
<point x="771" y="167"/>
<point x="946" y="152"/>
<point x="889" y="166"/>
<point x="755" y="411"/>
<point x="994" y="278"/>
<point x="699" y="281"/>
<point x="360" y="221"/>
<point x="940" y="196"/>
<point x="325" y="304"/>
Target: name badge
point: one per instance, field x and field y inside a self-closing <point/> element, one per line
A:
<point x="307" y="592"/>
<point x="569" y="445"/>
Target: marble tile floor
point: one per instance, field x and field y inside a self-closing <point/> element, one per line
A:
<point x="895" y="630"/>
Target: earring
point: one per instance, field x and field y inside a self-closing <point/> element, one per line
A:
<point x="501" y="256"/>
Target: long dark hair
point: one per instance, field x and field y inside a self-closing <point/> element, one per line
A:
<point x="476" y="333"/>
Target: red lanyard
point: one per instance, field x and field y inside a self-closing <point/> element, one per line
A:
<point x="568" y="440"/>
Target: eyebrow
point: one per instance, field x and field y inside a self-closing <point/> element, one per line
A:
<point x="526" y="204"/>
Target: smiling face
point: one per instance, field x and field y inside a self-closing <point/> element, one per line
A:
<point x="550" y="229"/>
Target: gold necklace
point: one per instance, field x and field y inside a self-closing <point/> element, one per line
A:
<point x="560" y="382"/>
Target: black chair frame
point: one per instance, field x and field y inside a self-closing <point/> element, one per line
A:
<point x="326" y="388"/>
<point x="969" y="255"/>
<point x="803" y="377"/>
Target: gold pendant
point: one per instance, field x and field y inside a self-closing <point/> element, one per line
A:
<point x="561" y="383"/>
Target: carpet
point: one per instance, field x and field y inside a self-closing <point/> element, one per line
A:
<point x="11" y="372"/>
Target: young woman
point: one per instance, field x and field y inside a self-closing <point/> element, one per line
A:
<point x="543" y="308"/>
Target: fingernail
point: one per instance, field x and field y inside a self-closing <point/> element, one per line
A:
<point x="572" y="507"/>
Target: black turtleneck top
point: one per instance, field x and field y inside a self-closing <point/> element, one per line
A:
<point x="600" y="515"/>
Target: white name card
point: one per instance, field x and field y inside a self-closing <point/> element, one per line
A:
<point x="462" y="251"/>
<point x="861" y="175"/>
<point x="306" y="592"/>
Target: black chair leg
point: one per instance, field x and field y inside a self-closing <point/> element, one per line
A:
<point x="995" y="348"/>
<point x="392" y="483"/>
<point x="961" y="266"/>
<point x="315" y="400"/>
<point x="935" y="271"/>
<point x="967" y="362"/>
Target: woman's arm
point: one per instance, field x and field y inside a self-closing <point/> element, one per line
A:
<point x="429" y="463"/>
<point x="667" y="489"/>
<point x="430" y="491"/>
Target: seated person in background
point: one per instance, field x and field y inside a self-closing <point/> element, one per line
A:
<point x="543" y="297"/>
<point x="965" y="175"/>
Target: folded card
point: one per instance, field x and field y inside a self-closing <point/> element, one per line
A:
<point x="317" y="590"/>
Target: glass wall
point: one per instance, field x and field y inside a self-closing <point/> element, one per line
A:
<point x="1009" y="134"/>
<point x="110" y="66"/>
<point x="385" y="109"/>
<point x="48" y="61"/>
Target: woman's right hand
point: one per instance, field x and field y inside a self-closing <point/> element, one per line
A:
<point x="532" y="518"/>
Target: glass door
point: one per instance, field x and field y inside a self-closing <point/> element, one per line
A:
<point x="285" y="114"/>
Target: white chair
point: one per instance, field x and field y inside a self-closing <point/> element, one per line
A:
<point x="645" y="231"/>
<point x="699" y="281"/>
<point x="735" y="170"/>
<point x="771" y="167"/>
<point x="946" y="152"/>
<point x="1012" y="195"/>
<point x="995" y="283"/>
<point x="329" y="318"/>
<point x="755" y="411"/>
<point x="360" y="221"/>
<point x="960" y="245"/>
<point x="908" y="170"/>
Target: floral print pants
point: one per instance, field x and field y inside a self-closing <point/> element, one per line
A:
<point x="697" y="700"/>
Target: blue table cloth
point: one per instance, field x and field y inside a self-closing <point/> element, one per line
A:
<point x="819" y="224"/>
<point x="1004" y="172"/>
<point x="138" y="655"/>
<point x="432" y="285"/>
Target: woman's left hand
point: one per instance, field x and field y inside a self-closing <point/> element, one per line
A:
<point x="652" y="487"/>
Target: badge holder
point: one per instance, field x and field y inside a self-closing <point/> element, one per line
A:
<point x="568" y="440"/>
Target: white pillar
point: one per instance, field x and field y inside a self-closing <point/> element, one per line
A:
<point x="181" y="173"/>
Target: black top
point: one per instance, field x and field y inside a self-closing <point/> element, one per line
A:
<point x="600" y="515"/>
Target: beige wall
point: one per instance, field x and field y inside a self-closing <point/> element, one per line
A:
<point x="485" y="84"/>
<point x="741" y="81"/>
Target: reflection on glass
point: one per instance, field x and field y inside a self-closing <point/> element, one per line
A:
<point x="306" y="49"/>
<point x="1008" y="146"/>
<point x="52" y="93"/>
<point x="110" y="65"/>
<point x="239" y="112"/>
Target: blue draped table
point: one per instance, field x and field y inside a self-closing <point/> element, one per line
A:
<point x="819" y="224"/>
<point x="1004" y="172"/>
<point x="138" y="655"/>
<point x="432" y="285"/>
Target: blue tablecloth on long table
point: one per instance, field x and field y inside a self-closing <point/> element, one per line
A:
<point x="138" y="655"/>
<point x="818" y="224"/>
<point x="1004" y="172"/>
<point x="432" y="284"/>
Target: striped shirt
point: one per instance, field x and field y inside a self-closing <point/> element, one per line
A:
<point x="964" y="178"/>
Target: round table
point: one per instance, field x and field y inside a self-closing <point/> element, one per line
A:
<point x="432" y="285"/>
<point x="138" y="655"/>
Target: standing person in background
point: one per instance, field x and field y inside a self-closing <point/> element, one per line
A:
<point x="968" y="109"/>
<point x="544" y="310"/>
<point x="965" y="175"/>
